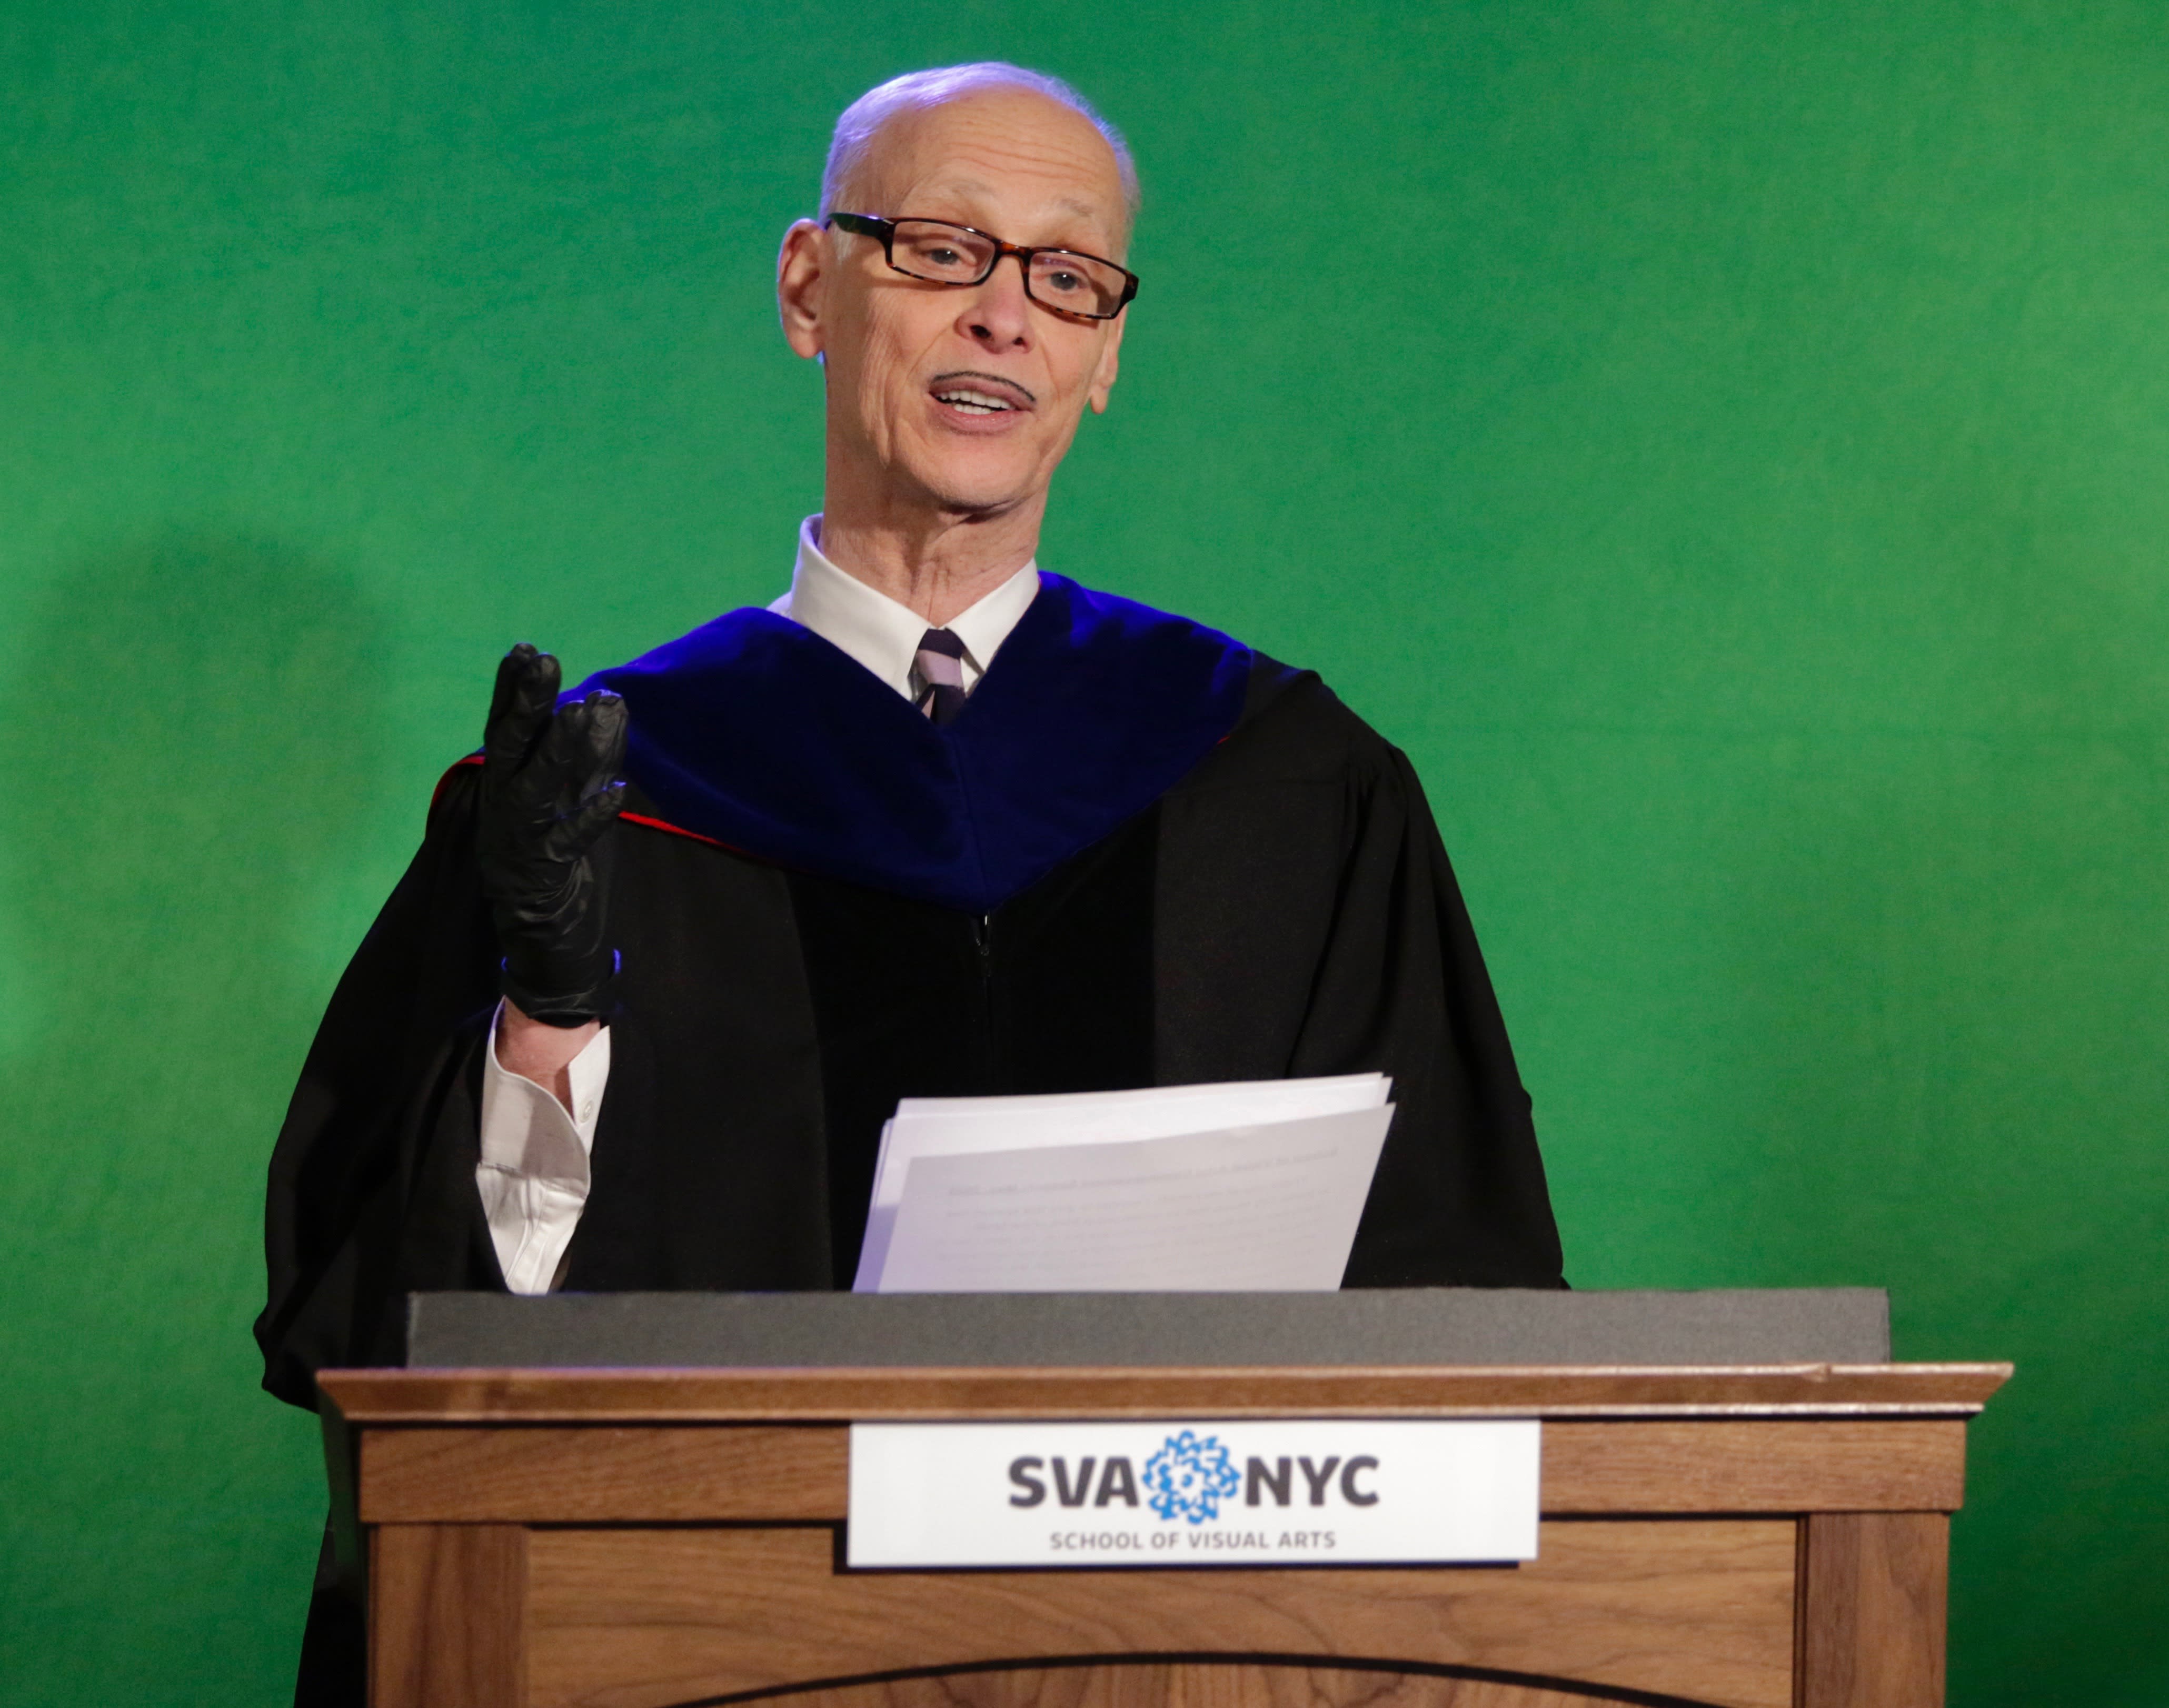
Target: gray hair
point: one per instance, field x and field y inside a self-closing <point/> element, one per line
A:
<point x="863" y="119"/>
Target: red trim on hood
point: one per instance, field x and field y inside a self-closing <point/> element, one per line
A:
<point x="436" y="793"/>
<point x="666" y="826"/>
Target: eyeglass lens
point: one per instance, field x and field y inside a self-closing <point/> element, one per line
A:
<point x="950" y="255"/>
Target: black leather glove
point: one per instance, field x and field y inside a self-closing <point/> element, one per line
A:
<point x="549" y="788"/>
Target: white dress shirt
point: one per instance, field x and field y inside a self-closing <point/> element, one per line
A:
<point x="873" y="629"/>
<point x="532" y="1175"/>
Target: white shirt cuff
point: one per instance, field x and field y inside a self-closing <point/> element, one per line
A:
<point x="532" y="1175"/>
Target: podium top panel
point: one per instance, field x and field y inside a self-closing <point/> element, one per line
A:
<point x="1369" y="1328"/>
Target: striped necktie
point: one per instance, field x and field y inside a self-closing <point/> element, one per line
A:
<point x="940" y="662"/>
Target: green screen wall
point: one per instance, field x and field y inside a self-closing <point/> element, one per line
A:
<point x="1727" y="444"/>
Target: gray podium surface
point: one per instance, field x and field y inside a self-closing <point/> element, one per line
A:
<point x="1381" y="1327"/>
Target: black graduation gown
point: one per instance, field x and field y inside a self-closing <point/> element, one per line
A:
<point x="1158" y="859"/>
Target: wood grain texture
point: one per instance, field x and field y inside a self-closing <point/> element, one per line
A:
<point x="1775" y="1464"/>
<point x="1874" y="1589"/>
<point x="818" y="1395"/>
<point x="607" y="1473"/>
<point x="447" y="1617"/>
<point x="641" y="1618"/>
<point x="1161" y="1684"/>
<point x="721" y="1473"/>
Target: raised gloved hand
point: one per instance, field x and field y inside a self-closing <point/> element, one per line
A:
<point x="550" y="787"/>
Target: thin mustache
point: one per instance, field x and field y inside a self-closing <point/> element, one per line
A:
<point x="974" y="374"/>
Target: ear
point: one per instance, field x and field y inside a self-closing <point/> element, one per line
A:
<point x="802" y="281"/>
<point x="1103" y="376"/>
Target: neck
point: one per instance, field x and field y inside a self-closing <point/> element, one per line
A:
<point x="939" y="563"/>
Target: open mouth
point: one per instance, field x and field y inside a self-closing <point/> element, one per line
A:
<point x="974" y="403"/>
<point x="980" y="394"/>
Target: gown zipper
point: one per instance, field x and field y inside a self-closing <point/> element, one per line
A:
<point x="983" y="940"/>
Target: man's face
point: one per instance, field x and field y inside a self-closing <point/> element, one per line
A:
<point x="963" y="400"/>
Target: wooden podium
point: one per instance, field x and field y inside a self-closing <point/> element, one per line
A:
<point x="1769" y="1537"/>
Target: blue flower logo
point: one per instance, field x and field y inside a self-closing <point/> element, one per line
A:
<point x="1188" y="1478"/>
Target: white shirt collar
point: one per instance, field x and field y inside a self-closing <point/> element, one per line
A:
<point x="881" y="635"/>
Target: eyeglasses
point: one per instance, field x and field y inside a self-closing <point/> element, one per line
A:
<point x="943" y="253"/>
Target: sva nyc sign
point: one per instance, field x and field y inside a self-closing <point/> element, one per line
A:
<point x="1186" y="1493"/>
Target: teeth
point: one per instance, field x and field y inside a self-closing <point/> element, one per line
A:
<point x="975" y="403"/>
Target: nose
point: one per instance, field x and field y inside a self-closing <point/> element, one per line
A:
<point x="997" y="315"/>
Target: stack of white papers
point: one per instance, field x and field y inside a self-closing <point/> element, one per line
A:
<point x="1253" y="1187"/>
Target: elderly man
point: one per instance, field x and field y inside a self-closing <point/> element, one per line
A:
<point x="937" y="822"/>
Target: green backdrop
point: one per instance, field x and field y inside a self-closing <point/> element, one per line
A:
<point x="1725" y="443"/>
